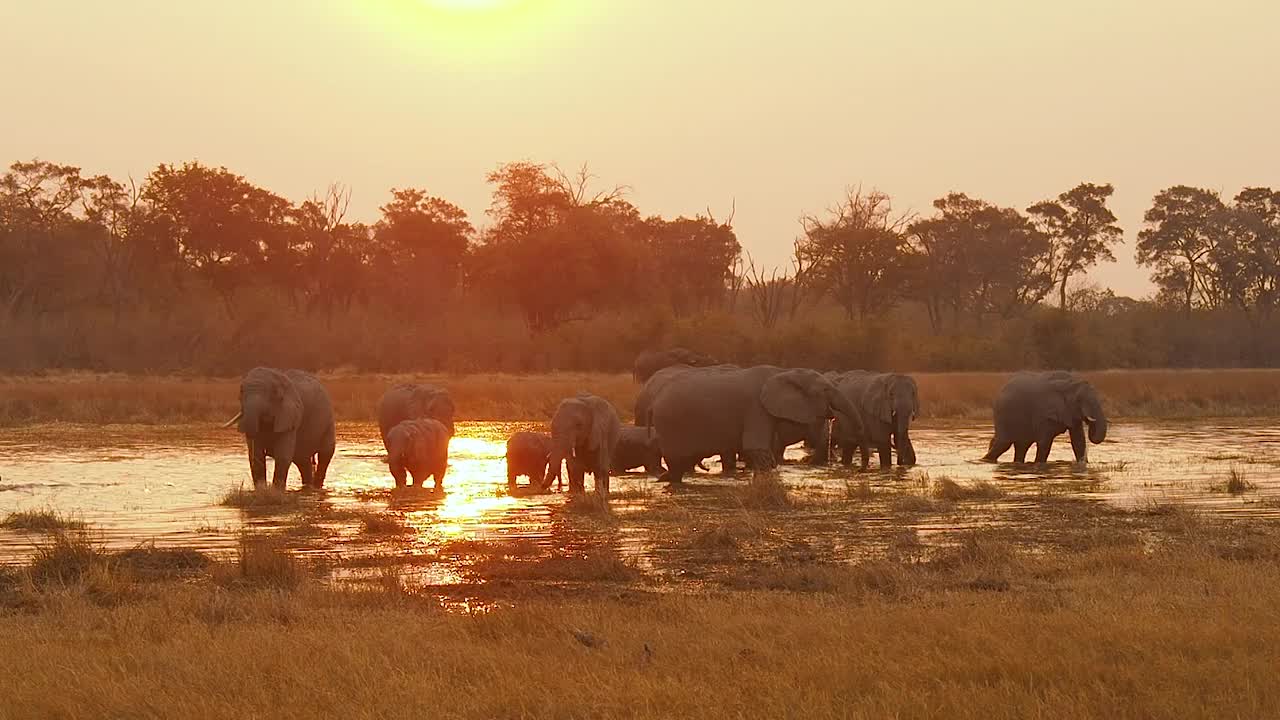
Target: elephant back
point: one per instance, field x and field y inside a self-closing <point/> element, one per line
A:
<point x="411" y="401"/>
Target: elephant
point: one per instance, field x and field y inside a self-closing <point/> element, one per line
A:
<point x="584" y="433"/>
<point x="410" y="402"/>
<point x="651" y="361"/>
<point x="1036" y="407"/>
<point x="816" y="437"/>
<point x="420" y="448"/>
<point x="529" y="454"/>
<point x="887" y="403"/>
<point x="286" y="414"/>
<point x="705" y="410"/>
<point x="653" y="386"/>
<point x="637" y="447"/>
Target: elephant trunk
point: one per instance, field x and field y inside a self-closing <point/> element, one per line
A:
<point x="902" y="439"/>
<point x="1098" y="430"/>
<point x="561" y="450"/>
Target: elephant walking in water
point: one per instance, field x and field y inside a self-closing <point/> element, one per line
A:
<point x="887" y="403"/>
<point x="1036" y="407"/>
<point x="420" y="449"/>
<point x="286" y="414"/>
<point x="705" y="410"/>
<point x="654" y="385"/>
<point x="584" y="433"/>
<point x="528" y="454"/>
<point x="411" y="402"/>
<point x="651" y="361"/>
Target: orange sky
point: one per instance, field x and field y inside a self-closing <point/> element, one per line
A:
<point x="694" y="103"/>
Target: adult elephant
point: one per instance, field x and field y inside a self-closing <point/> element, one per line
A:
<point x="654" y="386"/>
<point x="704" y="410"/>
<point x="584" y="432"/>
<point x="412" y="401"/>
<point x="286" y="414"/>
<point x="636" y="448"/>
<point x="651" y="361"/>
<point x="887" y="403"/>
<point x="1036" y="407"/>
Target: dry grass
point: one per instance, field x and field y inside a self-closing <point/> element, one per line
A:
<point x="1235" y="484"/>
<point x="947" y="489"/>
<point x="383" y="524"/>
<point x="765" y="491"/>
<point x="983" y="628"/>
<point x="115" y="398"/>
<point x="268" y="498"/>
<point x="726" y="535"/>
<point x="43" y="521"/>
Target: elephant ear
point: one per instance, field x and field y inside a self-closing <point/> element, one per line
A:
<point x="1063" y="397"/>
<point x="793" y="395"/>
<point x="602" y="414"/>
<point x="879" y="398"/>
<point x="915" y="397"/>
<point x="286" y="403"/>
<point x="437" y="404"/>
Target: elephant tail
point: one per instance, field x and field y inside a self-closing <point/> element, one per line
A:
<point x="233" y="420"/>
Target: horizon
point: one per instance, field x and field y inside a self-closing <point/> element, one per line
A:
<point x="746" y="141"/>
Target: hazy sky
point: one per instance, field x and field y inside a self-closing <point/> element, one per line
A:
<point x="694" y="103"/>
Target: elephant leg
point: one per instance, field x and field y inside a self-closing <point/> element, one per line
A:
<point x="257" y="463"/>
<point x="283" y="453"/>
<point x="1020" y="451"/>
<point x="998" y="447"/>
<point x="602" y="481"/>
<point x="323" y="459"/>
<point x="846" y="455"/>
<point x="440" y="471"/>
<point x="1079" y="444"/>
<point x="729" y="463"/>
<point x="761" y="459"/>
<point x="864" y="450"/>
<point x="886" y="456"/>
<point x="1043" y="446"/>
<point x="676" y="470"/>
<point x="577" y="476"/>
<point x="511" y="477"/>
<point x="307" y="468"/>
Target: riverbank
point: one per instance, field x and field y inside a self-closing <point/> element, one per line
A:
<point x="102" y="399"/>
<point x="1156" y="613"/>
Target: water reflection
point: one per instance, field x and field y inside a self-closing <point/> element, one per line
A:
<point x="165" y="484"/>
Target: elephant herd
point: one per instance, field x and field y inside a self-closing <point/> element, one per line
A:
<point x="689" y="408"/>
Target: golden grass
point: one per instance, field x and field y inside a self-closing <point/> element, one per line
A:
<point x="44" y="521"/>
<point x="593" y="566"/>
<point x="383" y="524"/>
<point x="983" y="634"/>
<point x="765" y="491"/>
<point x="260" y="562"/>
<point x="115" y="398"/>
<point x="947" y="489"/>
<point x="267" y="498"/>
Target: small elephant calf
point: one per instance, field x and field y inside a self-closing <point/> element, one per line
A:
<point x="637" y="447"/>
<point x="528" y="454"/>
<point x="420" y="448"/>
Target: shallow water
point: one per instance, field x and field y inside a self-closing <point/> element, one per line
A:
<point x="137" y="484"/>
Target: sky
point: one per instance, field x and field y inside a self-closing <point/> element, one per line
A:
<point x="770" y="107"/>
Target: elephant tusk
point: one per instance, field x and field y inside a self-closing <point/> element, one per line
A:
<point x="1090" y="420"/>
<point x="233" y="420"/>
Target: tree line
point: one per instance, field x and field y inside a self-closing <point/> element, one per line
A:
<point x="213" y="264"/>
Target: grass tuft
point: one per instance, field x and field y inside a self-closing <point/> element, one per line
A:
<point x="149" y="560"/>
<point x="261" y="561"/>
<point x="45" y="521"/>
<point x="268" y="498"/>
<point x="765" y="491"/>
<point x="66" y="560"/>
<point x="947" y="489"/>
<point x="383" y="524"/>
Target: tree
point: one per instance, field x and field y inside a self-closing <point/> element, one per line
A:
<point x="420" y="244"/>
<point x="220" y="225"/>
<point x="856" y="254"/>
<point x="1183" y="227"/>
<point x="1248" y="256"/>
<point x="691" y="259"/>
<point x="978" y="257"/>
<point x="37" y="200"/>
<point x="1082" y="230"/>
<point x="555" y="245"/>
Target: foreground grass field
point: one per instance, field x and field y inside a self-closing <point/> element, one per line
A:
<point x="1153" y="613"/>
<point x="90" y="398"/>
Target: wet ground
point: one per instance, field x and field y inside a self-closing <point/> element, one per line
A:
<point x="137" y="484"/>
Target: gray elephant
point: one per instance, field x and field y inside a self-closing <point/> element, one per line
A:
<point x="1036" y="407"/>
<point x="286" y="414"/>
<point x="704" y="410"/>
<point x="419" y="448"/>
<point x="816" y="437"/>
<point x="412" y="401"/>
<point x="651" y="361"/>
<point x="584" y="432"/>
<point x="653" y="386"/>
<point x="637" y="448"/>
<point x="887" y="403"/>
<point x="529" y="454"/>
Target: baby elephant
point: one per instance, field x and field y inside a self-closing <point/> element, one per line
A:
<point x="637" y="447"/>
<point x="528" y="454"/>
<point x="420" y="447"/>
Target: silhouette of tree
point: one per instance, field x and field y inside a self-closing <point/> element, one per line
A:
<point x="856" y="255"/>
<point x="1248" y="256"/>
<point x="420" y="244"/>
<point x="691" y="259"/>
<point x="1082" y="230"/>
<point x="1183" y="228"/>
